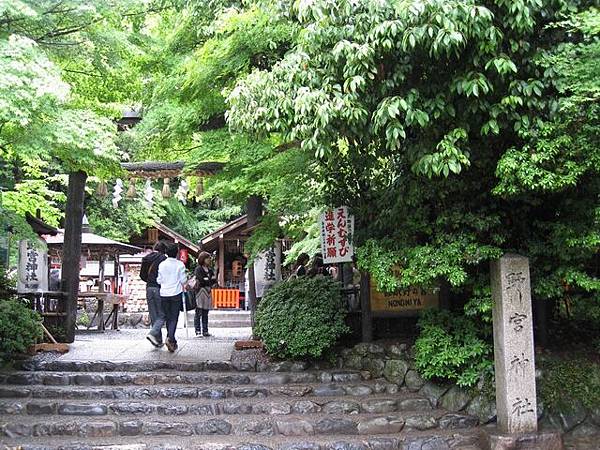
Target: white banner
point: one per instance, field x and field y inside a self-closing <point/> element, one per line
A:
<point x="337" y="227"/>
<point x="33" y="267"/>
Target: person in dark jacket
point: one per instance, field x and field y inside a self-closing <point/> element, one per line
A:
<point x="317" y="266"/>
<point x="301" y="264"/>
<point x="205" y="280"/>
<point x="149" y="273"/>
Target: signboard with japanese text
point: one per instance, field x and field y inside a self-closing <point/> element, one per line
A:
<point x="33" y="267"/>
<point x="337" y="227"/>
<point x="402" y="302"/>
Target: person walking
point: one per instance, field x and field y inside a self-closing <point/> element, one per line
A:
<point x="205" y="280"/>
<point x="172" y="279"/>
<point x="149" y="273"/>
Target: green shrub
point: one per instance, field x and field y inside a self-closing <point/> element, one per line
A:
<point x="301" y="318"/>
<point x="567" y="382"/>
<point x="83" y="319"/>
<point x="450" y="348"/>
<point x="20" y="327"/>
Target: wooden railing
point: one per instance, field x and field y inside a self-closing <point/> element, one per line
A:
<point x="225" y="298"/>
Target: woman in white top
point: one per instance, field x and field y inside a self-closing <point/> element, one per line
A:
<point x="172" y="279"/>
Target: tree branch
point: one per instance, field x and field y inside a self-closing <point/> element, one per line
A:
<point x="89" y="74"/>
<point x="287" y="145"/>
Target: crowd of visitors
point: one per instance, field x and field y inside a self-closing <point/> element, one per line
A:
<point x="168" y="285"/>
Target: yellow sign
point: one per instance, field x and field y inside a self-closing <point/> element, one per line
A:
<point x="406" y="301"/>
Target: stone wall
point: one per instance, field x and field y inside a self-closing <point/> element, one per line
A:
<point x="394" y="363"/>
<point x="136" y="288"/>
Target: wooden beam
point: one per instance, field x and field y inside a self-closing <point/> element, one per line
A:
<point x="221" y="261"/>
<point x="100" y="300"/>
<point x="72" y="249"/>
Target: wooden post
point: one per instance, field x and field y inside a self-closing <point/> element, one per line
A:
<point x="72" y="249"/>
<point x="254" y="211"/>
<point x="365" y="307"/>
<point x="221" y="261"/>
<point x="101" y="291"/>
<point x="115" y="308"/>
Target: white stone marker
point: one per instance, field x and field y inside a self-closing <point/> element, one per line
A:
<point x="513" y="345"/>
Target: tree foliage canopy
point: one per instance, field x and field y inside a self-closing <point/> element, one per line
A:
<point x="451" y="128"/>
<point x="455" y="130"/>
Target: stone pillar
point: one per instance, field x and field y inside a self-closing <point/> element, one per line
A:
<point x="513" y="345"/>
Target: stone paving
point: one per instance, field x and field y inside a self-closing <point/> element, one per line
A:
<point x="132" y="345"/>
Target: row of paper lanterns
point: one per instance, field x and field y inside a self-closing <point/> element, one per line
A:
<point x="180" y="194"/>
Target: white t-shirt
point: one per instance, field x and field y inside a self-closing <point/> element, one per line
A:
<point x="171" y="277"/>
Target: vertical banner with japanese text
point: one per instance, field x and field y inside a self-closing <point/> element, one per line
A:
<point x="337" y="228"/>
<point x="33" y="267"/>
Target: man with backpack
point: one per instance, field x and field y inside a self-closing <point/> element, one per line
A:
<point x="149" y="273"/>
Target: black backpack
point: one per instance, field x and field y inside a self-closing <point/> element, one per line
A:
<point x="148" y="263"/>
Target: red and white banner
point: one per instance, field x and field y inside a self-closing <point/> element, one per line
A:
<point x="337" y="227"/>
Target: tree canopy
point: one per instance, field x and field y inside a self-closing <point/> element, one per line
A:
<point x="443" y="125"/>
<point x="455" y="130"/>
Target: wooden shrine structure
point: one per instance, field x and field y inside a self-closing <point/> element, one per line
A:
<point x="97" y="248"/>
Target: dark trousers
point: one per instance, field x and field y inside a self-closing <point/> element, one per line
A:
<point x="201" y="314"/>
<point x="170" y="306"/>
<point x="157" y="317"/>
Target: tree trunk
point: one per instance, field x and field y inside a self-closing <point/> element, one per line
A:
<point x="72" y="248"/>
<point x="254" y="211"/>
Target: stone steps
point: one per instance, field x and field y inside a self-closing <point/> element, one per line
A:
<point x="116" y="378"/>
<point x="170" y="404"/>
<point x="229" y="323"/>
<point x="225" y="319"/>
<point x="428" y="440"/>
<point x="176" y="391"/>
<point x="293" y="425"/>
<point x="170" y="364"/>
<point x="373" y="404"/>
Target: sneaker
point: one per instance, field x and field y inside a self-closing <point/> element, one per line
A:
<point x="154" y="341"/>
<point x="198" y="333"/>
<point x="206" y="334"/>
<point x="171" y="346"/>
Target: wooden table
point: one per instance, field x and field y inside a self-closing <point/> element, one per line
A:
<point x="104" y="297"/>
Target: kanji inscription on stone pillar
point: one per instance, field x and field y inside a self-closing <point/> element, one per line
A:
<point x="513" y="345"/>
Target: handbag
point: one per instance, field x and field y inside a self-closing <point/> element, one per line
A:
<point x="190" y="301"/>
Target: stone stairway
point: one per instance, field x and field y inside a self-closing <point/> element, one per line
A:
<point x="214" y="405"/>
<point x="218" y="318"/>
